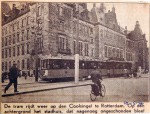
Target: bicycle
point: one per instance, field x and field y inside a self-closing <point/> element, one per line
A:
<point x="95" y="91"/>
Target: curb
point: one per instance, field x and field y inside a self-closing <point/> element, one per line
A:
<point x="34" y="91"/>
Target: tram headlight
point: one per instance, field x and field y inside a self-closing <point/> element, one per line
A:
<point x="89" y="77"/>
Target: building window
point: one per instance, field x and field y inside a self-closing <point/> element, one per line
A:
<point x="13" y="38"/>
<point x="23" y="22"/>
<point x="2" y="53"/>
<point x="109" y="52"/>
<point x="23" y="64"/>
<point x="18" y="25"/>
<point x="74" y="27"/>
<point x="9" y="64"/>
<point x="2" y="66"/>
<point x="17" y="37"/>
<point x="121" y="53"/>
<point x="10" y="40"/>
<point x="27" y="34"/>
<point x="13" y="27"/>
<point x="5" y="66"/>
<point x="40" y="44"/>
<point x="62" y="43"/>
<point x="39" y="11"/>
<point x="86" y="50"/>
<point x="28" y="20"/>
<point x="22" y="49"/>
<point x="18" y="64"/>
<point x="113" y="52"/>
<point x="28" y="64"/>
<point x="9" y="52"/>
<point x="6" y="31"/>
<point x="105" y="51"/>
<point x="14" y="51"/>
<point x="118" y="55"/>
<point x="5" y="53"/>
<point x="27" y="48"/>
<point x="80" y="48"/>
<point x="74" y="47"/>
<point x="22" y="35"/>
<point x="91" y="30"/>
<point x="92" y="52"/>
<point x="6" y="41"/>
<point x="18" y="50"/>
<point x="61" y="24"/>
<point x="60" y="11"/>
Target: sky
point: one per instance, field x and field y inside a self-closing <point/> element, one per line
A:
<point x="128" y="13"/>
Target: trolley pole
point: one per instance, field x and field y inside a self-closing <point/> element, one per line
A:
<point x="77" y="51"/>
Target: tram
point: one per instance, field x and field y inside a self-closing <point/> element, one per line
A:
<point x="51" y="69"/>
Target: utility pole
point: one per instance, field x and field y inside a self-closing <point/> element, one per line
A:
<point x="77" y="50"/>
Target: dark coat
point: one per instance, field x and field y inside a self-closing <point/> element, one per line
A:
<point x="13" y="73"/>
<point x="95" y="76"/>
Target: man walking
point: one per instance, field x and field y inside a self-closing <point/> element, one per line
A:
<point x="13" y="75"/>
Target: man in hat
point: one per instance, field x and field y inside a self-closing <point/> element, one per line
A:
<point x="13" y="75"/>
<point x="96" y="77"/>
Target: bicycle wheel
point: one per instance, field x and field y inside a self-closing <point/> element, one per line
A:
<point x="103" y="90"/>
<point x="92" y="96"/>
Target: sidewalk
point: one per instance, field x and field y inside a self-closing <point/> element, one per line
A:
<point x="30" y="86"/>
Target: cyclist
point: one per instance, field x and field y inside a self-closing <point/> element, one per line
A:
<point x="96" y="77"/>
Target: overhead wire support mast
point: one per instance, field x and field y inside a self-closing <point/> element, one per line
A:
<point x="77" y="50"/>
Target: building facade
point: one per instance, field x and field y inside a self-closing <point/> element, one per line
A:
<point x="16" y="38"/>
<point x="50" y="31"/>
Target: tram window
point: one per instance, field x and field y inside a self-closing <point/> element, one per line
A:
<point x="92" y="64"/>
<point x="64" y="65"/>
<point x="44" y="63"/>
<point x="72" y="64"/>
<point x="56" y="64"/>
<point x="81" y="65"/>
<point x="50" y="64"/>
<point x="47" y="63"/>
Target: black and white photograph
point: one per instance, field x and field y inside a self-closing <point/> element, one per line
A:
<point x="70" y="52"/>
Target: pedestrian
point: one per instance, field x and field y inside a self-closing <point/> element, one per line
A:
<point x="13" y="75"/>
<point x="135" y="73"/>
<point x="139" y="71"/>
<point x="108" y="73"/>
<point x="125" y="73"/>
<point x="96" y="77"/>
